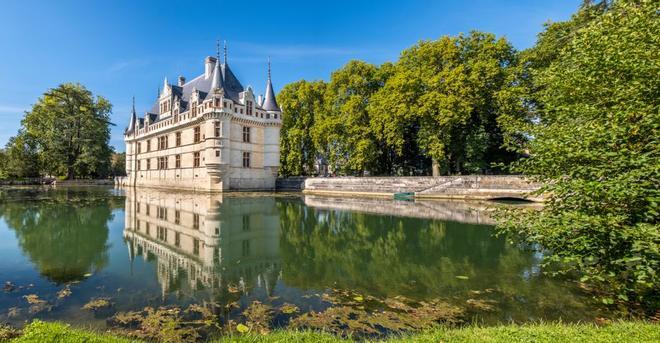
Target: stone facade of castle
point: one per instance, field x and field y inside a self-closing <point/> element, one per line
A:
<point x="209" y="134"/>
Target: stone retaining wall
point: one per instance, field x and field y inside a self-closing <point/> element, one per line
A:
<point x="482" y="187"/>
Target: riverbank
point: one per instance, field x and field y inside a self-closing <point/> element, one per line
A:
<point x="463" y="187"/>
<point x="53" y="181"/>
<point x="546" y="332"/>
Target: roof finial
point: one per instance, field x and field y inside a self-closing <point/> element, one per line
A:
<point x="217" y="49"/>
<point x="225" y="52"/>
<point x="269" y="67"/>
<point x="133" y="103"/>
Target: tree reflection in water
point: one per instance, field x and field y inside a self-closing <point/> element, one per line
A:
<point x="64" y="232"/>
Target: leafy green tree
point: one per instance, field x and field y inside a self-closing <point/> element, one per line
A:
<point x="21" y="157"/>
<point x="302" y="102"/>
<point x="71" y="130"/>
<point x="119" y="164"/>
<point x="343" y="133"/>
<point x="595" y="147"/>
<point x="449" y="91"/>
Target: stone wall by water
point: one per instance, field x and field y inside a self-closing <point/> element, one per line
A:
<point x="483" y="187"/>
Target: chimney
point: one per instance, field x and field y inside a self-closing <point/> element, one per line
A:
<point x="182" y="81"/>
<point x="209" y="62"/>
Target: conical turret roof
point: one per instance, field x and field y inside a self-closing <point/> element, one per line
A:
<point x="270" y="103"/>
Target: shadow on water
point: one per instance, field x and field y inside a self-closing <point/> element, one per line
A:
<point x="265" y="261"/>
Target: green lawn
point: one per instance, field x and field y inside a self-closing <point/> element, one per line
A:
<point x="43" y="332"/>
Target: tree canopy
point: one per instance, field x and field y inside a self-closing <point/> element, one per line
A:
<point x="440" y="101"/>
<point x="595" y="146"/>
<point x="66" y="133"/>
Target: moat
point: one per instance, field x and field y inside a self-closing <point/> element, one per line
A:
<point x="267" y="261"/>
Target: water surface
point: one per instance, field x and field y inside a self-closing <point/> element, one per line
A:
<point x="142" y="248"/>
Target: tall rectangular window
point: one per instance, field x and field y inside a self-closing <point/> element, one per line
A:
<point x="177" y="217"/>
<point x="216" y="128"/>
<point x="138" y="166"/>
<point x="246" y="134"/>
<point x="246" y="159"/>
<point x="148" y="163"/>
<point x="196" y="136"/>
<point x="139" y="147"/>
<point x="178" y="139"/>
<point x="196" y="221"/>
<point x="196" y="159"/>
<point x="177" y="161"/>
<point x="148" y="145"/>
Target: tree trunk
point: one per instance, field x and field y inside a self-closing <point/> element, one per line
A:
<point x="435" y="167"/>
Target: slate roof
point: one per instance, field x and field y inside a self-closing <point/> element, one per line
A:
<point x="229" y="82"/>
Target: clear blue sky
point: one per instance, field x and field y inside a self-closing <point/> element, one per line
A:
<point x="118" y="49"/>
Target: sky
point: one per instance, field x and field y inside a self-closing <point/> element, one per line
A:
<point x="120" y="49"/>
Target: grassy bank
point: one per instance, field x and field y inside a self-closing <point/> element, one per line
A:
<point x="554" y="333"/>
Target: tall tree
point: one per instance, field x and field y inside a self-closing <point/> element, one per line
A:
<point x="448" y="89"/>
<point x="21" y="158"/>
<point x="343" y="133"/>
<point x="302" y="103"/>
<point x="596" y="148"/>
<point x="71" y="129"/>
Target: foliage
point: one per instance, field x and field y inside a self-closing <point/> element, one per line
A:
<point x="118" y="164"/>
<point x="441" y="101"/>
<point x="70" y="131"/>
<point x="342" y="133"/>
<point x="20" y="157"/>
<point x="302" y="102"/>
<point x="596" y="148"/>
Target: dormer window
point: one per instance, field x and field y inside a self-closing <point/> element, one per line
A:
<point x="248" y="108"/>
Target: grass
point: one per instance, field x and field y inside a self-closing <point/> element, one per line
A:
<point x="637" y="332"/>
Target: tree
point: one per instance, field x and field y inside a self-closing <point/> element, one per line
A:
<point x="119" y="164"/>
<point x="448" y="90"/>
<point x="302" y="103"/>
<point x="71" y="130"/>
<point x="595" y="147"/>
<point x="343" y="132"/>
<point x="21" y="156"/>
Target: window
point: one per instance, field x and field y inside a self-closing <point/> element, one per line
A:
<point x="196" y="247"/>
<point x="194" y="109"/>
<point x="177" y="161"/>
<point x="196" y="159"/>
<point x="148" y="209"/>
<point x="162" y="233"/>
<point x="139" y="146"/>
<point x="137" y="207"/>
<point x="162" y="213"/>
<point x="245" y="247"/>
<point x="177" y="240"/>
<point x="248" y="108"/>
<point x="162" y="163"/>
<point x="216" y="128"/>
<point x="246" y="223"/>
<point x="217" y="153"/>
<point x="178" y="139"/>
<point x="149" y="145"/>
<point x="138" y="166"/>
<point x="177" y="217"/>
<point x="246" y="159"/>
<point x="162" y="143"/>
<point x="148" y="163"/>
<point x="196" y="135"/>
<point x="196" y="221"/>
<point x="246" y="134"/>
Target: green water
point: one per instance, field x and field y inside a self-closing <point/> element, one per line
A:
<point x="143" y="248"/>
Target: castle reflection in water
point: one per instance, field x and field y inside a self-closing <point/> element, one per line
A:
<point x="215" y="242"/>
<point x="200" y="241"/>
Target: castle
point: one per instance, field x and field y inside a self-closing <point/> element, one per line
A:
<point x="207" y="134"/>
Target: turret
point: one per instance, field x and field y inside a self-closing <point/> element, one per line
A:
<point x="270" y="103"/>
